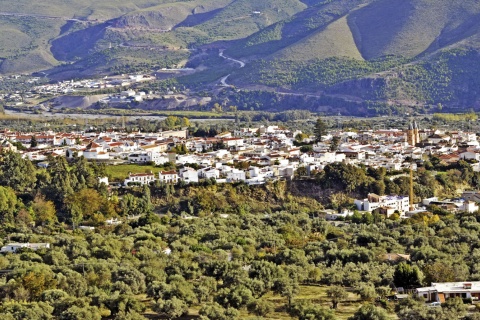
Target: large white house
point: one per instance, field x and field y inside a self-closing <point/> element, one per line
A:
<point x="140" y="178"/>
<point x="439" y="292"/>
<point x="373" y="202"/>
<point x="236" y="175"/>
<point x="144" y="157"/>
<point x="188" y="175"/>
<point x="168" y="176"/>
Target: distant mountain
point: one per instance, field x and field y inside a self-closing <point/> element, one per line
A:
<point x="409" y="52"/>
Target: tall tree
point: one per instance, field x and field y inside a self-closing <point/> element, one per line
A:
<point x="33" y="142"/>
<point x="320" y="129"/>
<point x="8" y="202"/>
<point x="17" y="173"/>
<point x="407" y="276"/>
<point x="334" y="143"/>
<point x="44" y="210"/>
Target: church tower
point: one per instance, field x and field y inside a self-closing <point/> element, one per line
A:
<point x="416" y="133"/>
<point x="413" y="134"/>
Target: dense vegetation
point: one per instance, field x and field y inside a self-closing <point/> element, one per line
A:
<point x="222" y="251"/>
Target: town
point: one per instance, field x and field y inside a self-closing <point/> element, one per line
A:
<point x="260" y="154"/>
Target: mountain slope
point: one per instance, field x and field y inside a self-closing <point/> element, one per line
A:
<point x="411" y="27"/>
<point x="390" y="51"/>
<point x="399" y="51"/>
<point x="335" y="41"/>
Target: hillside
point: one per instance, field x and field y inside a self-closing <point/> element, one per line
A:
<point x="412" y="52"/>
<point x="403" y="52"/>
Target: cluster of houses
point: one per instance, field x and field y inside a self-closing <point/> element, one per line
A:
<point x="70" y="86"/>
<point x="256" y="155"/>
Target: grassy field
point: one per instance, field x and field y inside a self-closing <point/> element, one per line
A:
<point x="120" y="172"/>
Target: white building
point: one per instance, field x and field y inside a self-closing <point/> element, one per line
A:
<point x="439" y="292"/>
<point x="331" y="215"/>
<point x="233" y="142"/>
<point x="139" y="178"/>
<point x="168" y="176"/>
<point x="373" y="202"/>
<point x="13" y="247"/>
<point x="188" y="175"/>
<point x="209" y="173"/>
<point x="236" y="175"/>
<point x="144" y="157"/>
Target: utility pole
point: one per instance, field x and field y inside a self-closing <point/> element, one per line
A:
<point x="411" y="184"/>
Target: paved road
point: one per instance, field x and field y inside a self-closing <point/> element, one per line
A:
<point x="242" y="64"/>
<point x="223" y="81"/>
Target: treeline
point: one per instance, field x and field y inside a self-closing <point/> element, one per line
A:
<point x="259" y="100"/>
<point x="455" y="117"/>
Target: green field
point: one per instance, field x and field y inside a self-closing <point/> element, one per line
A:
<point x="120" y="172"/>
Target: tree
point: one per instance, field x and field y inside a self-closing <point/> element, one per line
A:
<point x="215" y="311"/>
<point x="366" y="292"/>
<point x="370" y="312"/>
<point x="300" y="137"/>
<point x="33" y="142"/>
<point x="320" y="129"/>
<point x="172" y="308"/>
<point x="407" y="276"/>
<point x="307" y="311"/>
<point x="261" y="307"/>
<point x="43" y="210"/>
<point x="8" y="203"/>
<point x="287" y="287"/>
<point x="86" y="202"/>
<point x="17" y="173"/>
<point x="334" y="143"/>
<point x="336" y="294"/>
<point x="37" y="280"/>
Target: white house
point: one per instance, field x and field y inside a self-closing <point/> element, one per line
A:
<point x="331" y="215"/>
<point x="439" y="292"/>
<point x="188" y="175"/>
<point x="168" y="176"/>
<point x="144" y="157"/>
<point x="233" y="142"/>
<point x="103" y="180"/>
<point x="209" y="173"/>
<point x="236" y="175"/>
<point x="95" y="151"/>
<point x="13" y="247"/>
<point x="141" y="178"/>
<point x="400" y="203"/>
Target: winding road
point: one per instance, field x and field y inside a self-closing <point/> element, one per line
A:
<point x="242" y="64"/>
<point x="223" y="81"/>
